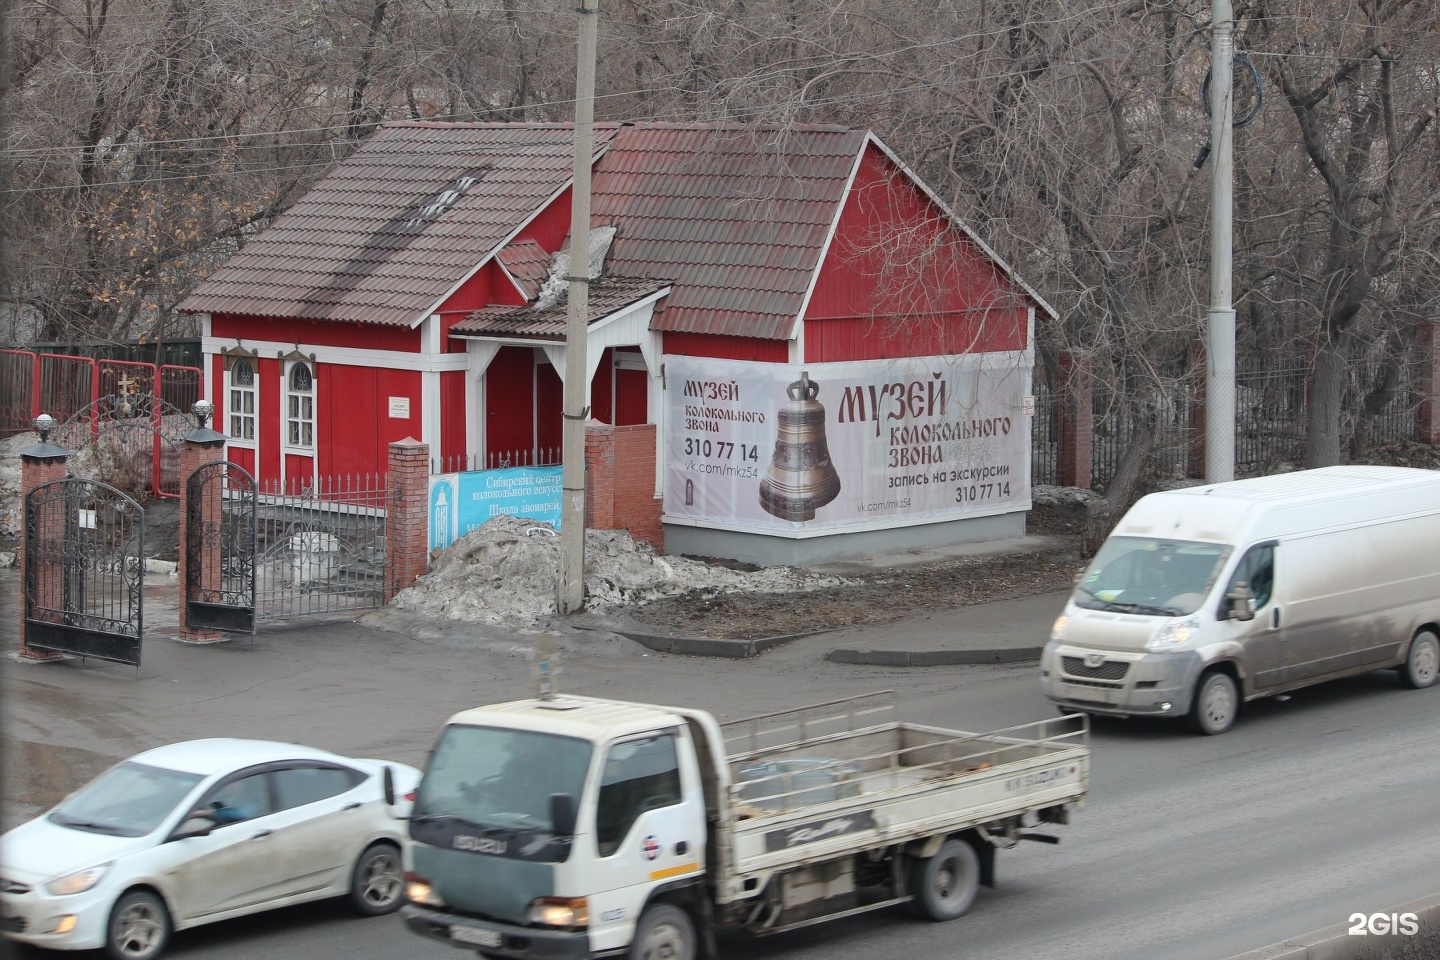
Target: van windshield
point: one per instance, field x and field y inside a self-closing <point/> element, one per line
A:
<point x="1166" y="578"/>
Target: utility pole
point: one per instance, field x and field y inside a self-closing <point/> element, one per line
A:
<point x="1220" y="356"/>
<point x="570" y="592"/>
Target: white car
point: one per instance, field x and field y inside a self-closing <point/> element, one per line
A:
<point x="201" y="831"/>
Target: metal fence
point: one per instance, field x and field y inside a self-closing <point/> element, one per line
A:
<point x="1270" y="412"/>
<point x="33" y="382"/>
<point x="498" y="460"/>
<point x="320" y="549"/>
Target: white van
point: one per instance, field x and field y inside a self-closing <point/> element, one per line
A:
<point x="1205" y="596"/>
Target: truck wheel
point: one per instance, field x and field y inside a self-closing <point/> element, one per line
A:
<point x="1216" y="702"/>
<point x="663" y="933"/>
<point x="139" y="927"/>
<point x="1423" y="661"/>
<point x="945" y="885"/>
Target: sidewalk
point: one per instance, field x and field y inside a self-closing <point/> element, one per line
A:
<point x="1001" y="631"/>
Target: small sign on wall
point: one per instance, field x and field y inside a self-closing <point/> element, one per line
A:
<point x="399" y="408"/>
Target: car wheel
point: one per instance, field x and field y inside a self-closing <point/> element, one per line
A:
<point x="945" y="885"/>
<point x="663" y="933"/>
<point x="1216" y="703"/>
<point x="1423" y="661"/>
<point x="377" y="884"/>
<point x="139" y="927"/>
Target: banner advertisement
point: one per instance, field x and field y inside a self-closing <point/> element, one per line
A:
<point x="818" y="448"/>
<point x="460" y="502"/>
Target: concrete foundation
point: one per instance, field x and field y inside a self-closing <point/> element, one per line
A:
<point x="769" y="551"/>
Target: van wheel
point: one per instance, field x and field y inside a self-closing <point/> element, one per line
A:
<point x="663" y="933"/>
<point x="1423" y="661"/>
<point x="945" y="885"/>
<point x="1216" y="702"/>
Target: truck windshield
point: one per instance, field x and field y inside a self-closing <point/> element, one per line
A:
<point x="1156" y="577"/>
<point x="487" y="778"/>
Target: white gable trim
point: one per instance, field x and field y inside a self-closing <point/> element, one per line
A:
<point x="797" y="328"/>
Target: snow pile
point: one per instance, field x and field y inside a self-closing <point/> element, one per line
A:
<point x="1044" y="495"/>
<point x="507" y="571"/>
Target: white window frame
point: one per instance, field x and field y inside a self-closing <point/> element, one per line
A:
<point x="299" y="411"/>
<point x="237" y="416"/>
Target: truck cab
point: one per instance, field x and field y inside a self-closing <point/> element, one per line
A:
<point x="543" y="828"/>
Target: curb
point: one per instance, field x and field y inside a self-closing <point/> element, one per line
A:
<point x="933" y="658"/>
<point x="1338" y="943"/>
<point x="708" y="646"/>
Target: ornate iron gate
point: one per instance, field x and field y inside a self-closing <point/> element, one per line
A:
<point x="255" y="555"/>
<point x="84" y="570"/>
<point x="220" y="542"/>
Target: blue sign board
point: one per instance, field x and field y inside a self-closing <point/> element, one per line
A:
<point x="460" y="502"/>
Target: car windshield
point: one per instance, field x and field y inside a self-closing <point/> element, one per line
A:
<point x="128" y="800"/>
<point x="1169" y="578"/>
<point x="493" y="778"/>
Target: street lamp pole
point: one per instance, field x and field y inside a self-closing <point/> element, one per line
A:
<point x="1220" y="356"/>
<point x="570" y="589"/>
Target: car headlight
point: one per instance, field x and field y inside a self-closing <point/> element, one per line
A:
<point x="569" y="912"/>
<point x="77" y="882"/>
<point x="1173" y="635"/>
<point x="419" y="890"/>
<point x="1057" y="631"/>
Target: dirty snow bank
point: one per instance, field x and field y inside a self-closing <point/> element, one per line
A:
<point x="507" y="571"/>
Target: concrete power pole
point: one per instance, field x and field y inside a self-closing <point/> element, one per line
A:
<point x="570" y="592"/>
<point x="1220" y="356"/>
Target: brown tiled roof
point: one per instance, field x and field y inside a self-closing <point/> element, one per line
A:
<point x="738" y="216"/>
<point x="374" y="240"/>
<point x="607" y="295"/>
<point x="529" y="264"/>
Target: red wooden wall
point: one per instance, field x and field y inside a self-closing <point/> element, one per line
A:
<point x="900" y="281"/>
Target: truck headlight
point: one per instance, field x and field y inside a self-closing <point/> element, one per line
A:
<point x="568" y="912"/>
<point x="77" y="882"/>
<point x="420" y="891"/>
<point x="1173" y="635"/>
<point x="1057" y="631"/>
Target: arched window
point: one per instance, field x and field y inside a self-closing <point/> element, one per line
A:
<point x="300" y="406"/>
<point x="241" y="406"/>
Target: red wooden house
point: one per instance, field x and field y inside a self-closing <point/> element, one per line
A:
<point x="403" y="296"/>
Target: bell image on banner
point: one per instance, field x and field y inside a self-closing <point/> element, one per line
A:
<point x="800" y="478"/>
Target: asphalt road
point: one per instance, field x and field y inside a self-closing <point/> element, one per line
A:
<point x="1189" y="848"/>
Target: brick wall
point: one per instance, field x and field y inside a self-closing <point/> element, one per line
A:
<point x="620" y="481"/>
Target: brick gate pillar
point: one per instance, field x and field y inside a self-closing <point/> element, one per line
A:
<point x="39" y="465"/>
<point x="620" y="481"/>
<point x="1075" y="423"/>
<point x="407" y="517"/>
<point x="1427" y="417"/>
<point x="198" y="447"/>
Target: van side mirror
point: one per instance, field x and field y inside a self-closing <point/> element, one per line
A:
<point x="1239" y="602"/>
<point x="562" y="814"/>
